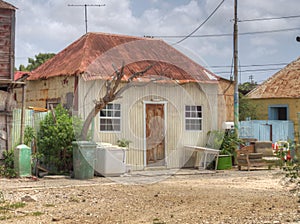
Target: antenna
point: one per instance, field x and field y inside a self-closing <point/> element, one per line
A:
<point x="85" y="12"/>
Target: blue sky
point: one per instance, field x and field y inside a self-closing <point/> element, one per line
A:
<point x="45" y="26"/>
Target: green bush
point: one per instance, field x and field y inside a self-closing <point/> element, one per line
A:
<point x="226" y="141"/>
<point x="7" y="170"/>
<point x="57" y="131"/>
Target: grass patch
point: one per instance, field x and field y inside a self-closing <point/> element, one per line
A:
<point x="73" y="199"/>
<point x="49" y="205"/>
<point x="37" y="213"/>
<point x="5" y="218"/>
<point x="157" y="221"/>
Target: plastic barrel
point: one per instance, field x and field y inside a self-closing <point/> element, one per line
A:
<point x="22" y="160"/>
<point x="84" y="159"/>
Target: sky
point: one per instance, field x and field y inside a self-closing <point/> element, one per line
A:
<point x="266" y="41"/>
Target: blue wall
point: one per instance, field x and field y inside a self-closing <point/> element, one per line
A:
<point x="261" y="130"/>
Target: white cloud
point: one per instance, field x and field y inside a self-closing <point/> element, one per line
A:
<point x="51" y="25"/>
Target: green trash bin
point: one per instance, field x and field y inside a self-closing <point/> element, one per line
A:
<point x="22" y="160"/>
<point x="84" y="159"/>
<point x="224" y="162"/>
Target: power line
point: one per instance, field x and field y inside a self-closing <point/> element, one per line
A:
<point x="254" y="65"/>
<point x="213" y="12"/>
<point x="250" y="70"/>
<point x="227" y="34"/>
<point x="269" y="18"/>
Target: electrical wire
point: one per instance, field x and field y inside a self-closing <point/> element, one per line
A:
<point x="228" y="34"/>
<point x="254" y="65"/>
<point x="250" y="70"/>
<point x="269" y="18"/>
<point x="213" y="12"/>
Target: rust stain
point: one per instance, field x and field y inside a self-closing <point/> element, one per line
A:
<point x="79" y="58"/>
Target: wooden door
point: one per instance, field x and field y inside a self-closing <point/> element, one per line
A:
<point x="155" y="134"/>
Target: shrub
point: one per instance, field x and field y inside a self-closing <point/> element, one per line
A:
<point x="55" y="139"/>
<point x="7" y="170"/>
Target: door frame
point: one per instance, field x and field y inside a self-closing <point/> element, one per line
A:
<point x="164" y="103"/>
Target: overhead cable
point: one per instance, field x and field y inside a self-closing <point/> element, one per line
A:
<point x="228" y="34"/>
<point x="254" y="65"/>
<point x="213" y="12"/>
<point x="251" y="70"/>
<point x="269" y="18"/>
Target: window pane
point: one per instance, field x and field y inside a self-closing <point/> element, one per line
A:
<point x="110" y="118"/>
<point x="193" y="117"/>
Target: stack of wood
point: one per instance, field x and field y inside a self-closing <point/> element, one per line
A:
<point x="258" y="154"/>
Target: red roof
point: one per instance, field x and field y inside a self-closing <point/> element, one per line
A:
<point x="20" y="74"/>
<point x="95" y="55"/>
<point x="5" y="5"/>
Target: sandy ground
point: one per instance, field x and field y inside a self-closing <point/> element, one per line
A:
<point x="185" y="196"/>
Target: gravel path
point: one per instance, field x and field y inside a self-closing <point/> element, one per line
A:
<point x="185" y="196"/>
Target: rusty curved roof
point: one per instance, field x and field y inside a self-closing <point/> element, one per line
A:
<point x="5" y="5"/>
<point x="283" y="84"/>
<point x="95" y="55"/>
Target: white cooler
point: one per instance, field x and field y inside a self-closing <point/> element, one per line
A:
<point x="110" y="160"/>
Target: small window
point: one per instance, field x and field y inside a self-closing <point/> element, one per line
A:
<point x="110" y="118"/>
<point x="278" y="112"/>
<point x="193" y="118"/>
<point x="52" y="103"/>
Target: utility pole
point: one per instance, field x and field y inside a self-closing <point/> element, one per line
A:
<point x="235" y="71"/>
<point x="85" y="13"/>
<point x="251" y="79"/>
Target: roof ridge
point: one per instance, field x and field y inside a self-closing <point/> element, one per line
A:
<point x="6" y="5"/>
<point x="122" y="35"/>
<point x="85" y="47"/>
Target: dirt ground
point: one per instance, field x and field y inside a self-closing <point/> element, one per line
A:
<point x="184" y="196"/>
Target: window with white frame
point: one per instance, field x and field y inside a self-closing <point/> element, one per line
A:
<point x="110" y="117"/>
<point x="193" y="118"/>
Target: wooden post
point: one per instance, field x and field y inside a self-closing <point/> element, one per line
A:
<point x="22" y="114"/>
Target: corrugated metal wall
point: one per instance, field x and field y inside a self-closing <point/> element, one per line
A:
<point x="132" y="103"/>
<point x="32" y="119"/>
<point x="267" y="130"/>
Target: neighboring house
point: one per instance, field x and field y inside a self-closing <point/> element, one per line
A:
<point x="7" y="83"/>
<point x="278" y="98"/>
<point x="176" y="103"/>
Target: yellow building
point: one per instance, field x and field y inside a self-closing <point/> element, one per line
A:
<point x="278" y="98"/>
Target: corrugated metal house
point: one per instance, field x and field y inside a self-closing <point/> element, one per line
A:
<point x="7" y="84"/>
<point x="174" y="104"/>
<point x="278" y="98"/>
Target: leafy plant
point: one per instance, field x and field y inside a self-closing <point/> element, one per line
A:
<point x="57" y="131"/>
<point x="227" y="141"/>
<point x="7" y="170"/>
<point x="29" y="135"/>
<point x="230" y="143"/>
<point x="123" y="143"/>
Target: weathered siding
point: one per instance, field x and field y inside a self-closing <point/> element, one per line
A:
<point x="31" y="119"/>
<point x="7" y="104"/>
<point x="7" y="42"/>
<point x="293" y="110"/>
<point x="38" y="92"/>
<point x="132" y="107"/>
<point x="226" y="100"/>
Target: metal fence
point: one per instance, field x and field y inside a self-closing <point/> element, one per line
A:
<point x="267" y="130"/>
<point x="32" y="119"/>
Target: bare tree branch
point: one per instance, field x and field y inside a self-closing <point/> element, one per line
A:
<point x="112" y="93"/>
